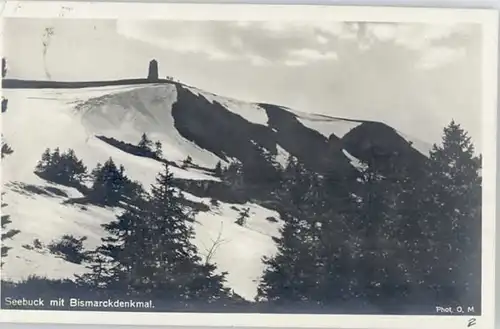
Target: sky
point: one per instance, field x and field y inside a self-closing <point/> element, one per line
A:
<point x="414" y="77"/>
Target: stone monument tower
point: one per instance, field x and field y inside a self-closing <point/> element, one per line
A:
<point x="153" y="70"/>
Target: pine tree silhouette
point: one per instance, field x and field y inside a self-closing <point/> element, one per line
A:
<point x="158" y="149"/>
<point x="6" y="149"/>
<point x="145" y="143"/>
<point x="150" y="253"/>
<point x="109" y="183"/>
<point x="453" y="219"/>
<point x="62" y="168"/>
<point x="6" y="234"/>
<point x="314" y="265"/>
<point x="5" y="220"/>
<point x="289" y="276"/>
<point x="218" y="169"/>
<point x="118" y="265"/>
<point x="187" y="162"/>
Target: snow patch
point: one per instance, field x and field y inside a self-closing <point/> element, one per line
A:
<point x="47" y="219"/>
<point x="354" y="161"/>
<point x="248" y="111"/>
<point x="237" y="249"/>
<point x="282" y="155"/>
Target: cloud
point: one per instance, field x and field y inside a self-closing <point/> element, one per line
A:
<point x="311" y="55"/>
<point x="191" y="40"/>
<point x="290" y="43"/>
<point x="259" y="44"/>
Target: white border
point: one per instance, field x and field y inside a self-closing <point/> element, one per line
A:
<point x="488" y="19"/>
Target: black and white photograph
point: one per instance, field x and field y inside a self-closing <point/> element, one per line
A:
<point x="247" y="165"/>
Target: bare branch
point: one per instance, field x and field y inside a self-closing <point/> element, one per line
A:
<point x="215" y="245"/>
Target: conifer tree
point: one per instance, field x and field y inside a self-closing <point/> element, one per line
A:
<point x="314" y="263"/>
<point x="45" y="162"/>
<point x="56" y="155"/>
<point x="233" y="175"/>
<point x="158" y="149"/>
<point x="145" y="143"/>
<point x="74" y="169"/>
<point x="6" y="233"/>
<point x="179" y="266"/>
<point x="261" y="168"/>
<point x="6" y="149"/>
<point x="149" y="252"/>
<point x="218" y="169"/>
<point x="109" y="183"/>
<point x="5" y="220"/>
<point x="297" y="182"/>
<point x="62" y="168"/>
<point x="187" y="162"/>
<point x="453" y="218"/>
<point x="118" y="265"/>
<point x="290" y="275"/>
<point x="377" y="271"/>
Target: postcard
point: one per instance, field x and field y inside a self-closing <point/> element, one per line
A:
<point x="248" y="165"/>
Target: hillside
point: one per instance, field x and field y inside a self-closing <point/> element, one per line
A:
<point x="187" y="122"/>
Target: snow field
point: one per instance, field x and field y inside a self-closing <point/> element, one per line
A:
<point x="38" y="119"/>
<point x="250" y="112"/>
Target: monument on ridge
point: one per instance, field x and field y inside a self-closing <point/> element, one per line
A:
<point x="153" y="70"/>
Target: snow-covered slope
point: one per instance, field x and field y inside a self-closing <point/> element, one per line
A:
<point x="72" y="118"/>
<point x="40" y="119"/>
<point x="45" y="218"/>
<point x="127" y="114"/>
<point x="251" y="112"/>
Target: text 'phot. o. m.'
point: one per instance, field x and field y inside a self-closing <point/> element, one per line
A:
<point x="248" y="165"/>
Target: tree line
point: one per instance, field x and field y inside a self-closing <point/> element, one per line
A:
<point x="402" y="239"/>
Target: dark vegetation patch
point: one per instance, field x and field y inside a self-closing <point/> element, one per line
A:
<point x="37" y="245"/>
<point x="56" y="191"/>
<point x="271" y="219"/>
<point x="30" y="189"/>
<point x="69" y="248"/>
<point x="135" y="150"/>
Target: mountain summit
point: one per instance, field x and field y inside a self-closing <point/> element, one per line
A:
<point x="199" y="134"/>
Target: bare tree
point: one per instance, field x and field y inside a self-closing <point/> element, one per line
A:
<point x="216" y="243"/>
